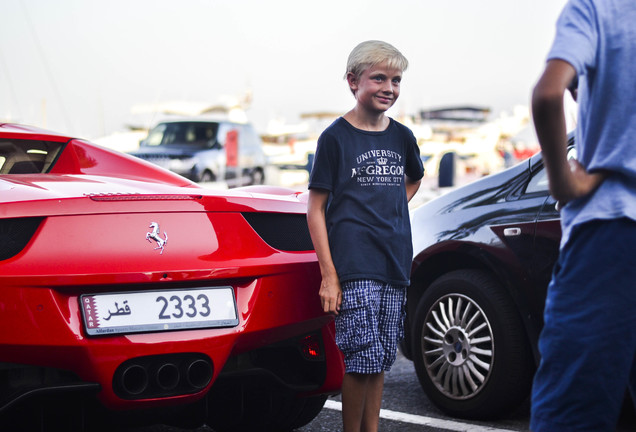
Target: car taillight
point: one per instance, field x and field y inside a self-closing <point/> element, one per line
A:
<point x="311" y="347"/>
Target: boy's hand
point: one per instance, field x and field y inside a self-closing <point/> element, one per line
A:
<point x="581" y="184"/>
<point x="330" y="295"/>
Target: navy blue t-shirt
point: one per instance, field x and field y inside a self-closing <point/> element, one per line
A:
<point x="367" y="214"/>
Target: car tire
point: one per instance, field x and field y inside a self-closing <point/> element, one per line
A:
<point x="257" y="176"/>
<point x="207" y="176"/>
<point x="307" y="409"/>
<point x="470" y="351"/>
<point x="298" y="413"/>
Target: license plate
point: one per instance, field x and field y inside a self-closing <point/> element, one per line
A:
<point x="152" y="311"/>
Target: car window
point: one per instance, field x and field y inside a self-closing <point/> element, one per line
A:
<point x="538" y="182"/>
<point x="196" y="134"/>
<point x="155" y="136"/>
<point x="27" y="157"/>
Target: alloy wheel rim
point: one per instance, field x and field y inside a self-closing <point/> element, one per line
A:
<point x="457" y="346"/>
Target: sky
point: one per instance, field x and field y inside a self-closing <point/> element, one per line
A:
<point x="80" y="67"/>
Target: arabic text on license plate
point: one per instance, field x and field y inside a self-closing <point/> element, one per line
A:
<point x="134" y="312"/>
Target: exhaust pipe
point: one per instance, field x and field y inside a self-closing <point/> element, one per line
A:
<point x="168" y="376"/>
<point x="134" y="379"/>
<point x="199" y="373"/>
<point x="162" y="375"/>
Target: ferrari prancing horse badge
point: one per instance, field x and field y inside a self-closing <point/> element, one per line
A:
<point x="155" y="235"/>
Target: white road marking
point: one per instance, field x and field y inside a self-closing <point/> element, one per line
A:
<point x="424" y="421"/>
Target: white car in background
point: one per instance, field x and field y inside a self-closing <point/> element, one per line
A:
<point x="206" y="150"/>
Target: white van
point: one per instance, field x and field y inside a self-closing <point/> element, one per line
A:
<point x="206" y="150"/>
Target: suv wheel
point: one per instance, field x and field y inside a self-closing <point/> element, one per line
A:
<point x="257" y="176"/>
<point x="207" y="176"/>
<point x="470" y="351"/>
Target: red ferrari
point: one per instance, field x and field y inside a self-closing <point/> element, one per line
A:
<point x="130" y="295"/>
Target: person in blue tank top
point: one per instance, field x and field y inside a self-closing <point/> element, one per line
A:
<point x="588" y="344"/>
<point x="366" y="169"/>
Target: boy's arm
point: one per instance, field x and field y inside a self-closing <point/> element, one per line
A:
<point x="411" y="187"/>
<point x="568" y="179"/>
<point x="330" y="290"/>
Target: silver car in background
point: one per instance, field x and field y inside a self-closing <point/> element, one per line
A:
<point x="206" y="150"/>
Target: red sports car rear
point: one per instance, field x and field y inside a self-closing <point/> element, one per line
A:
<point x="130" y="294"/>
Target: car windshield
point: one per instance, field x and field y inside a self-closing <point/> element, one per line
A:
<point x="191" y="134"/>
<point x="27" y="157"/>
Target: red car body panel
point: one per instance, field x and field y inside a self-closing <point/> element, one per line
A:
<point x="96" y="206"/>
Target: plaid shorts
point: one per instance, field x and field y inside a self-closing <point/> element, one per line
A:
<point x="370" y="325"/>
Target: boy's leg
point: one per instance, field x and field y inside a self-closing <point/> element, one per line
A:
<point x="353" y="400"/>
<point x="357" y="337"/>
<point x="373" y="403"/>
<point x="367" y="398"/>
<point x="361" y="401"/>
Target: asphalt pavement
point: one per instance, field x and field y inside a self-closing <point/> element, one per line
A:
<point x="405" y="408"/>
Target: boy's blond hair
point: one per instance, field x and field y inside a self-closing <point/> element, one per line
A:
<point x="373" y="52"/>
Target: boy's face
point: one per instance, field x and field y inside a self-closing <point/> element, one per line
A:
<point x="377" y="88"/>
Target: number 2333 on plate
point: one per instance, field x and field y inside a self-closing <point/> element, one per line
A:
<point x="147" y="311"/>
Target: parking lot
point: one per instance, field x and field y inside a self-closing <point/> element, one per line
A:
<point x="407" y="409"/>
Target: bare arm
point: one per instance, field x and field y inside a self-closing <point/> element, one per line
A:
<point x="330" y="290"/>
<point x="411" y="187"/>
<point x="568" y="179"/>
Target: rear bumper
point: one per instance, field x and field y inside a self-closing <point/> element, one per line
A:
<point x="45" y="337"/>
